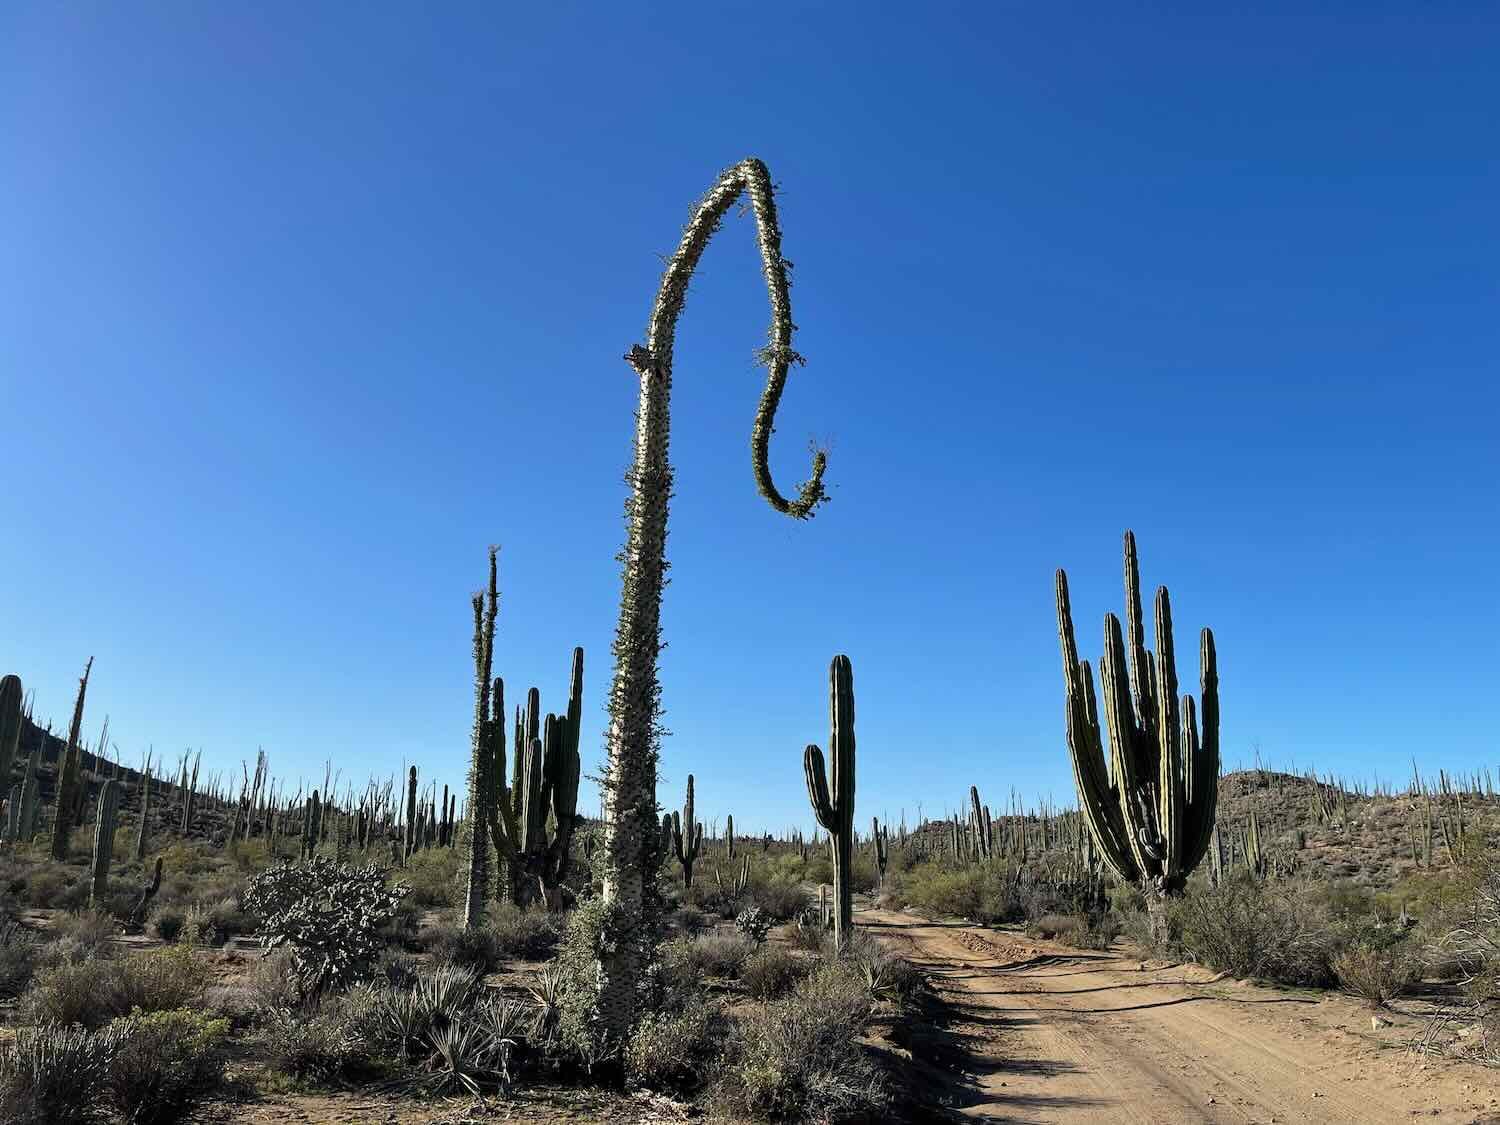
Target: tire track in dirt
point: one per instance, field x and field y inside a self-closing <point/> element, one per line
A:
<point x="1062" y="1035"/>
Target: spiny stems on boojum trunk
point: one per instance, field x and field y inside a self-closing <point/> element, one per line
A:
<point x="631" y="841"/>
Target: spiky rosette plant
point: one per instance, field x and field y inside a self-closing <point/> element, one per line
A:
<point x="631" y="844"/>
<point x="1151" y="808"/>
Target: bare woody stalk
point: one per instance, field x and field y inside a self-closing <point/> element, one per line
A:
<point x="68" y="786"/>
<point x="631" y="841"/>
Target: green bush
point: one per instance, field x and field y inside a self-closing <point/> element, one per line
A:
<point x="1269" y="931"/>
<point x="91" y="993"/>
<point x="163" y="1064"/>
<point x="432" y="875"/>
<point x="526" y="935"/>
<point x="985" y="894"/>
<point x="782" y="899"/>
<point x="675" y="1051"/>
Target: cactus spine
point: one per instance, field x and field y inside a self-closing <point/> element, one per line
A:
<point x="69" y="791"/>
<point x="835" y="808"/>
<point x="687" y="836"/>
<point x="104" y="839"/>
<point x="1151" y="811"/>
<point x="630" y="859"/>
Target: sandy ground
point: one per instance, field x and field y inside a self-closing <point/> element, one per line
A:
<point x="1053" y="1034"/>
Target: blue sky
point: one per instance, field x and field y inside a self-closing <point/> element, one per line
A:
<point x="302" y="307"/>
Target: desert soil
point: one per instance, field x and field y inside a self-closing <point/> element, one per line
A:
<point x="1053" y="1034"/>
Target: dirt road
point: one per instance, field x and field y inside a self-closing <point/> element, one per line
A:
<point x="1060" y="1035"/>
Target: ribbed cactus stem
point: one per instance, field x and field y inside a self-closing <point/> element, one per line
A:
<point x="143" y="830"/>
<point x="104" y="840"/>
<point x="729" y="838"/>
<point x="1151" y="809"/>
<point x="412" y="827"/>
<point x="834" y="806"/>
<point x="881" y="838"/>
<point x="12" y="699"/>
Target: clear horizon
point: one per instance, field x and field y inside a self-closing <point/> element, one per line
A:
<point x="304" y="308"/>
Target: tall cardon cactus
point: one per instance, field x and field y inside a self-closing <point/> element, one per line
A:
<point x="1151" y="809"/>
<point x="631" y="858"/>
<point x="834" y="807"/>
<point x="687" y="836"/>
<point x="104" y="840"/>
<point x="11" y="701"/>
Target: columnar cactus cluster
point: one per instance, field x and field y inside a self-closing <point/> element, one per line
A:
<point x="834" y="807"/>
<point x="1151" y="808"/>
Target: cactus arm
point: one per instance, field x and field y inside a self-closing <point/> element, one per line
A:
<point x="817" y="787"/>
<point x="1098" y="797"/>
<point x="1173" y="810"/>
<point x="1130" y="777"/>
<point x="1202" y="759"/>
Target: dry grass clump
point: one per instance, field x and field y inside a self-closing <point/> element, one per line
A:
<point x="1267" y="931"/>
<point x="91" y="993"/>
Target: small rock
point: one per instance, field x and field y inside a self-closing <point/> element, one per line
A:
<point x="1377" y="1022"/>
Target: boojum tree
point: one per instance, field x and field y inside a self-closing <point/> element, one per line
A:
<point x="1151" y="809"/>
<point x="631" y="836"/>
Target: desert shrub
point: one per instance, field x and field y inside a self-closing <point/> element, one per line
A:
<point x="1473" y="942"/>
<point x="1081" y="931"/>
<point x="52" y="1075"/>
<point x="432" y="875"/>
<point x="448" y="941"/>
<point x="91" y="993"/>
<point x="17" y="959"/>
<point x="157" y="980"/>
<point x="782" y="899"/>
<point x="1376" y="974"/>
<point x="675" y="1050"/>
<point x="167" y="922"/>
<point x="328" y="913"/>
<point x="984" y="894"/>
<point x="163" y="1064"/>
<point x="526" y="935"/>
<point x="712" y="955"/>
<point x="80" y="937"/>
<point x="1057" y="926"/>
<point x="227" y="919"/>
<point x="44" y="887"/>
<point x="690" y="920"/>
<point x="317" y="1047"/>
<point x="1252" y="929"/>
<point x="770" y="972"/>
<point x="795" y="1059"/>
<point x="437" y="998"/>
<point x="273" y="982"/>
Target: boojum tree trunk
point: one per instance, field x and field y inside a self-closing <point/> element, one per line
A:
<point x="631" y="841"/>
<point x="1151" y="810"/>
